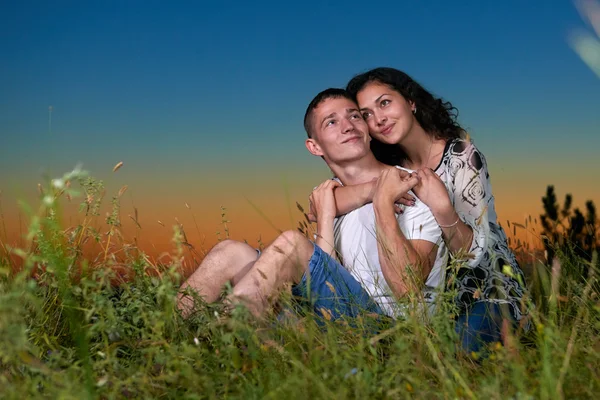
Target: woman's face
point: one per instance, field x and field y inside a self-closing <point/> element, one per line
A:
<point x="389" y="116"/>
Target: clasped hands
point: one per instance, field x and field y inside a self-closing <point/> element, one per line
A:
<point x="394" y="183"/>
<point x="390" y="188"/>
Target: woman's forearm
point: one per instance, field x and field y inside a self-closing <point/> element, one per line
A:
<point x="457" y="235"/>
<point x="349" y="198"/>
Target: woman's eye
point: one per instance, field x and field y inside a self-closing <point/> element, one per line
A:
<point x="384" y="102"/>
<point x="366" y="115"/>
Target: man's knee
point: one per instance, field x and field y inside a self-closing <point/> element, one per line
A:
<point x="297" y="250"/>
<point x="228" y="256"/>
<point x="228" y="245"/>
<point x="234" y="249"/>
<point x="290" y="242"/>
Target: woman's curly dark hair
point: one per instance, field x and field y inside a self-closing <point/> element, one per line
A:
<point x="436" y="116"/>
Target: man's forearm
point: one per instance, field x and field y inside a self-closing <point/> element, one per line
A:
<point x="325" y="236"/>
<point x="396" y="254"/>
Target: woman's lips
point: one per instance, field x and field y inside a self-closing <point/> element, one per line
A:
<point x="387" y="129"/>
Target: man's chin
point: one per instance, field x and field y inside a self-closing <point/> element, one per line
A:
<point x="349" y="158"/>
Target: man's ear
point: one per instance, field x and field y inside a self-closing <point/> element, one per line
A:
<point x="313" y="147"/>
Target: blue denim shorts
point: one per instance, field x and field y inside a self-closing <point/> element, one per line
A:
<point x="331" y="290"/>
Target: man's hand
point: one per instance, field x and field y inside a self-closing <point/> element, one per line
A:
<point x="322" y="200"/>
<point x="393" y="184"/>
<point x="432" y="191"/>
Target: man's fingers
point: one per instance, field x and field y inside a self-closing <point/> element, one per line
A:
<point x="425" y="172"/>
<point x="412" y="182"/>
<point x="331" y="184"/>
<point x="403" y="174"/>
<point x="327" y="185"/>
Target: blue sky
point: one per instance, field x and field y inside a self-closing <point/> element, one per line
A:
<point x="190" y="85"/>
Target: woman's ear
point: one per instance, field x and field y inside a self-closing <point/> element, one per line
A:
<point x="313" y="147"/>
<point x="413" y="106"/>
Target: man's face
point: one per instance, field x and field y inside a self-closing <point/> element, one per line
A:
<point x="340" y="134"/>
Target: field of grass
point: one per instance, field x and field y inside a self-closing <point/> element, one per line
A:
<point x="70" y="328"/>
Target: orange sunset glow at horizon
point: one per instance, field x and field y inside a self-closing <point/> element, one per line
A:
<point x="217" y="213"/>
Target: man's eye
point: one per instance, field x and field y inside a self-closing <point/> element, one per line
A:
<point x="330" y="122"/>
<point x="355" y="116"/>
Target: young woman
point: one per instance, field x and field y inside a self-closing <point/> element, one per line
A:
<point x="416" y="130"/>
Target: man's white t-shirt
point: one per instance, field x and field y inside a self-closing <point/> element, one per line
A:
<point x="356" y="242"/>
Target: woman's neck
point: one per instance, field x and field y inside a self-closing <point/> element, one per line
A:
<point x="422" y="149"/>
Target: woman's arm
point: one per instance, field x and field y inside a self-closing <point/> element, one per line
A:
<point x="457" y="235"/>
<point x="462" y="208"/>
<point x="349" y="198"/>
<point x="432" y="191"/>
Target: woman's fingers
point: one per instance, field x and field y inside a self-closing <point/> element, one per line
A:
<point x="398" y="209"/>
<point x="407" y="199"/>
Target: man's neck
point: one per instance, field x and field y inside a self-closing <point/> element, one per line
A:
<point x="358" y="171"/>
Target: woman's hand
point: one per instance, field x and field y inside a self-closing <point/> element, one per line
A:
<point x="432" y="191"/>
<point x="393" y="184"/>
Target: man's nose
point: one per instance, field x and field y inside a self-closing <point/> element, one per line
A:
<point x="347" y="126"/>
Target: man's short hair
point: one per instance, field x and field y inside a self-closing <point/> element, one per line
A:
<point x="331" y="93"/>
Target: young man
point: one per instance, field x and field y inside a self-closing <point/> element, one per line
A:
<point x="337" y="133"/>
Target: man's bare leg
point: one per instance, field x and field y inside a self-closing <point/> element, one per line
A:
<point x="227" y="261"/>
<point x="284" y="261"/>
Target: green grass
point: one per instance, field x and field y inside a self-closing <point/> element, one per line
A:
<point x="68" y="330"/>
